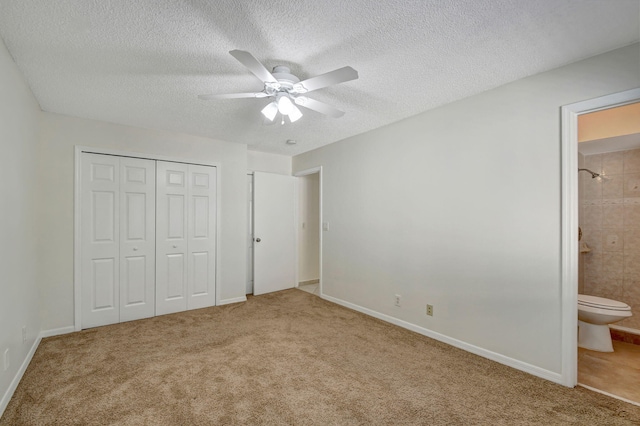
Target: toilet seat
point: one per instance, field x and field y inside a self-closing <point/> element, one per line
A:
<point x="602" y="303"/>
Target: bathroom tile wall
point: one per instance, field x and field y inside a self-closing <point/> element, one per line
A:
<point x="610" y="222"/>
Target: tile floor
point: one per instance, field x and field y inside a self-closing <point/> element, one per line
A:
<point x="615" y="372"/>
<point x="310" y="288"/>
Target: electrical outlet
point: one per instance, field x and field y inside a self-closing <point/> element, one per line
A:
<point x="430" y="310"/>
<point x="6" y="359"/>
<point x="398" y="299"/>
<point x="24" y="334"/>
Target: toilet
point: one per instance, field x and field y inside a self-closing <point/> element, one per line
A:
<point x="594" y="315"/>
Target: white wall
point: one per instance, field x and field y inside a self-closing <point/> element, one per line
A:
<point x="59" y="135"/>
<point x="269" y="163"/>
<point x="459" y="207"/>
<point x="308" y="227"/>
<point x="19" y="112"/>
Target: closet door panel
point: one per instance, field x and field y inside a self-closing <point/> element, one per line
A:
<point x="171" y="237"/>
<point x="99" y="239"/>
<point x="201" y="286"/>
<point x="137" y="238"/>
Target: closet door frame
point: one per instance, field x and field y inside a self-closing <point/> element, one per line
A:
<point x="77" y="215"/>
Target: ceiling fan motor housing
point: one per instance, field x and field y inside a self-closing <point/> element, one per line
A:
<point x="284" y="77"/>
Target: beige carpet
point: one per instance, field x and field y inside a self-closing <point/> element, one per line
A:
<point x="284" y="358"/>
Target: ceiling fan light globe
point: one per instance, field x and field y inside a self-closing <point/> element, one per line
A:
<point x="285" y="105"/>
<point x="295" y="113"/>
<point x="270" y="111"/>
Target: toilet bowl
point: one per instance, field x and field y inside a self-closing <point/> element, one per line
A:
<point x="594" y="315"/>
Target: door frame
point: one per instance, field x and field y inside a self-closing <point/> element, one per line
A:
<point x="77" y="204"/>
<point x="301" y="173"/>
<point x="250" y="238"/>
<point x="570" y="223"/>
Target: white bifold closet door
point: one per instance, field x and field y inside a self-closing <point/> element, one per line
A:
<point x="117" y="239"/>
<point x="185" y="237"/>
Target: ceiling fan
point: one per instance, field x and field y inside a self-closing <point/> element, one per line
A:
<point x="286" y="89"/>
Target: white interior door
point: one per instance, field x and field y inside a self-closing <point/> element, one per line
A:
<point x="137" y="238"/>
<point x="274" y="230"/>
<point x="201" y="244"/>
<point x="171" y="237"/>
<point x="100" y="211"/>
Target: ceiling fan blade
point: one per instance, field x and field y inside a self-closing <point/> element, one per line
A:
<point x="328" y="79"/>
<point x="234" y="96"/>
<point x="249" y="61"/>
<point x="318" y="106"/>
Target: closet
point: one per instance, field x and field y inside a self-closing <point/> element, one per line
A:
<point x="148" y="238"/>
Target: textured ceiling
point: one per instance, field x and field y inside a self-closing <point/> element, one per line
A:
<point x="143" y="62"/>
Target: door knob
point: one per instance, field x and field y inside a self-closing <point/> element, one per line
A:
<point x="135" y="249"/>
<point x="257" y="240"/>
<point x="175" y="246"/>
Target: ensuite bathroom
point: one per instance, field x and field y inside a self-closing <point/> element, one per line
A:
<point x="609" y="260"/>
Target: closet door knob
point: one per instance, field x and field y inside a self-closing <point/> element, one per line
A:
<point x="175" y="246"/>
<point x="258" y="240"/>
<point x="135" y="249"/>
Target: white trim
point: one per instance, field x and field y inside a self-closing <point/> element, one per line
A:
<point x="502" y="359"/>
<point x="609" y="394"/>
<point x="306" y="172"/>
<point x="16" y="379"/>
<point x="57" y="331"/>
<point x="251" y="246"/>
<point x="146" y="156"/>
<point x="296" y="231"/>
<point x="78" y="150"/>
<point x="569" y="234"/>
<point x="23" y="367"/>
<point x="77" y="241"/>
<point x="569" y="249"/>
<point x="232" y="300"/>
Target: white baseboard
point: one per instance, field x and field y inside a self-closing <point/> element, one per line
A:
<point x="14" y="383"/>
<point x="57" y="331"/>
<point x="510" y="362"/>
<point x="233" y="300"/>
<point x="16" y="380"/>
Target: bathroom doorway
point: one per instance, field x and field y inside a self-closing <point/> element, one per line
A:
<point x="309" y="226"/>
<point x="603" y="202"/>
<point x="609" y="217"/>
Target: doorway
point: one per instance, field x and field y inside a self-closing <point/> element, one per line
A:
<point x="570" y="222"/>
<point x="271" y="245"/>
<point x="609" y="217"/>
<point x="309" y="231"/>
<point x="307" y="206"/>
